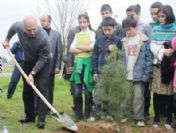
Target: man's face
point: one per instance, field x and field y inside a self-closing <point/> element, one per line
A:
<point x="154" y="14"/>
<point x="45" y="23"/>
<point x="31" y="29"/>
<point x="108" y="30"/>
<point x="106" y="13"/>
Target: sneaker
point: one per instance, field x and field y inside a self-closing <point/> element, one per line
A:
<point x="108" y="117"/>
<point x="168" y="126"/>
<point x="173" y="125"/>
<point x="155" y="124"/>
<point x="123" y="120"/>
<point x="91" y="119"/>
<point x="140" y="123"/>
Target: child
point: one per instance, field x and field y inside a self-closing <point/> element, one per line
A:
<point x="137" y="59"/>
<point x="17" y="50"/>
<point x="103" y="47"/>
<point x="106" y="11"/>
<point x="134" y="11"/>
<point x="81" y="77"/>
<point x="162" y="91"/>
<point x="154" y="10"/>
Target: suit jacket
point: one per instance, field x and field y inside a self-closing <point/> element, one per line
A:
<point x="56" y="49"/>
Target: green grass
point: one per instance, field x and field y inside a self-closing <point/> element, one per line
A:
<point x="12" y="109"/>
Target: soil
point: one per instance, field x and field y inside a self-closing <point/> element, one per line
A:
<point x="107" y="127"/>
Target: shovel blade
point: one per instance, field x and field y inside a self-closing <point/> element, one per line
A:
<point x="66" y="121"/>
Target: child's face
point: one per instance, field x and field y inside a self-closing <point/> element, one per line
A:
<point x="106" y="13"/>
<point x="162" y="18"/>
<point x="132" y="14"/>
<point x="83" y="23"/>
<point x="154" y="14"/>
<point x="131" y="31"/>
<point x="108" y="31"/>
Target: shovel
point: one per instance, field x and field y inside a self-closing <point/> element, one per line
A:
<point x="64" y="119"/>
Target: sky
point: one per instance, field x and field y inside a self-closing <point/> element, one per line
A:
<point x="15" y="10"/>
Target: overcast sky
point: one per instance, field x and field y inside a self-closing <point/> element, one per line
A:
<point x="14" y="10"/>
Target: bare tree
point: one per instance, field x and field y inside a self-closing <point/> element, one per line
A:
<point x="64" y="14"/>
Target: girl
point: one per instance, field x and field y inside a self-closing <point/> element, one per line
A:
<point x="81" y="77"/>
<point x="162" y="90"/>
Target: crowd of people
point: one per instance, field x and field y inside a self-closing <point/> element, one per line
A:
<point x="148" y="55"/>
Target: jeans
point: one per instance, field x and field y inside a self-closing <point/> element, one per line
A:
<point x="14" y="80"/>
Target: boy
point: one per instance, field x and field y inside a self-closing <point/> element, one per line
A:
<point x="17" y="50"/>
<point x="137" y="59"/>
<point x="106" y="11"/>
<point x="102" y="48"/>
<point x="154" y="10"/>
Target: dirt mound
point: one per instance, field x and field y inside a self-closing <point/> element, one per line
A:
<point x="114" y="127"/>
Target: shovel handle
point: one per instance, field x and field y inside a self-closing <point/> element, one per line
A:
<point x="31" y="84"/>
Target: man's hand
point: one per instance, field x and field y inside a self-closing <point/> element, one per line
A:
<point x="95" y="76"/>
<point x="30" y="79"/>
<point x="5" y="43"/>
<point x="56" y="71"/>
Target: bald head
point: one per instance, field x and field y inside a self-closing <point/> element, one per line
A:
<point x="45" y="21"/>
<point x="30" y="26"/>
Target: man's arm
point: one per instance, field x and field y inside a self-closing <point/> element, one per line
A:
<point x="11" y="32"/>
<point x="44" y="53"/>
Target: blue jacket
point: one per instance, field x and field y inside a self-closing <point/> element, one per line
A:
<point x="143" y="68"/>
<point x="101" y="51"/>
<point x="17" y="50"/>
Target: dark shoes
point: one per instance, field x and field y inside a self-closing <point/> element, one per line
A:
<point x="9" y="96"/>
<point x="41" y="125"/>
<point x="27" y="120"/>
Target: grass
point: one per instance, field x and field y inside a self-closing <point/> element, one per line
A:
<point x="13" y="109"/>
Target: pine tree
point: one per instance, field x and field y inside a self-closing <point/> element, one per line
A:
<point x="115" y="91"/>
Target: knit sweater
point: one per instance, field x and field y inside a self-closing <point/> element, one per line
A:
<point x="160" y="34"/>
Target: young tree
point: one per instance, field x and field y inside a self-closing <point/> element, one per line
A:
<point x="115" y="91"/>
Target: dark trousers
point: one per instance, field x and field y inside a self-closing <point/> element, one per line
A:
<point x="41" y="82"/>
<point x="79" y="101"/>
<point x="51" y="88"/>
<point x="158" y="101"/>
<point x="146" y="99"/>
<point x="14" y="80"/>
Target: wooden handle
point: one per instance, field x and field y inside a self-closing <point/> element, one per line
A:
<point x="31" y="84"/>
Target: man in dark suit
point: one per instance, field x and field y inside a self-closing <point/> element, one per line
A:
<point x="34" y="41"/>
<point x="56" y="52"/>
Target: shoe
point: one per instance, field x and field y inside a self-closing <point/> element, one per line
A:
<point x="108" y="117"/>
<point x="41" y="125"/>
<point x="9" y="96"/>
<point x="124" y="120"/>
<point x="168" y="126"/>
<point x="140" y="123"/>
<point x="173" y="125"/>
<point x="27" y="120"/>
<point x="155" y="124"/>
<point x="91" y="119"/>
